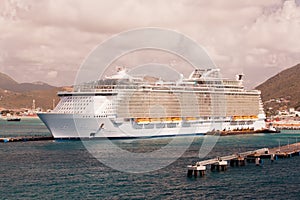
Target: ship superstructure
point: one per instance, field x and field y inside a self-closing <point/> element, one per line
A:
<point x="131" y="106"/>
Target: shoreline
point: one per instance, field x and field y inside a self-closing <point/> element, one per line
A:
<point x="22" y="117"/>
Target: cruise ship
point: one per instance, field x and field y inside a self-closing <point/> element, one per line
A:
<point x="128" y="106"/>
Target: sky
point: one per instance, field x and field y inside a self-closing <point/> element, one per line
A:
<point x="47" y="40"/>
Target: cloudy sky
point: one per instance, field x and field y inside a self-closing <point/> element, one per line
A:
<point x="47" y="40"/>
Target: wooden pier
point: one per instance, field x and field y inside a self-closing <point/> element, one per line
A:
<point x="26" y="138"/>
<point x="240" y="159"/>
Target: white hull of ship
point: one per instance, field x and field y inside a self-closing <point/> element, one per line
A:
<point x="69" y="126"/>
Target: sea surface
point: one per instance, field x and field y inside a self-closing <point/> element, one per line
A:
<point x="66" y="169"/>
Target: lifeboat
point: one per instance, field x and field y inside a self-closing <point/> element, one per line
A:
<point x="176" y="119"/>
<point x="155" y="119"/>
<point x="167" y="119"/>
<point x="190" y="118"/>
<point x="142" y="120"/>
<point x="236" y="117"/>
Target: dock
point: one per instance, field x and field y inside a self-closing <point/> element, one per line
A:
<point x="25" y="138"/>
<point x="239" y="159"/>
<point x="243" y="132"/>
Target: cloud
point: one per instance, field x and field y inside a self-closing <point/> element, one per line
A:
<point x="43" y="37"/>
<point x="52" y="74"/>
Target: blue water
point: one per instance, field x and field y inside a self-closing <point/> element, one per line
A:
<point x="66" y="170"/>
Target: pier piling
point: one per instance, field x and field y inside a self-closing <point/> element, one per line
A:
<point x="195" y="170"/>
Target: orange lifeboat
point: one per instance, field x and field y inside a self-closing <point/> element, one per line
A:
<point x="143" y="120"/>
<point x="190" y="118"/>
<point x="167" y="119"/>
<point x="176" y="119"/>
<point x="155" y="119"/>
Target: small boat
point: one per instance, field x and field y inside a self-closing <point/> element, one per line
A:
<point x="14" y="119"/>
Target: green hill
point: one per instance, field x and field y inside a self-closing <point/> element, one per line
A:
<point x="278" y="92"/>
<point x="6" y="81"/>
<point x="282" y="90"/>
<point x="14" y="95"/>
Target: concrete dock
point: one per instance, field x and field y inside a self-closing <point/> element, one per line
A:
<point x="26" y="138"/>
<point x="239" y="159"/>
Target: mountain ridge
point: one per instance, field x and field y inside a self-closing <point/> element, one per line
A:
<point x="14" y="95"/>
<point x="8" y="83"/>
<point x="281" y="91"/>
<point x="284" y="86"/>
